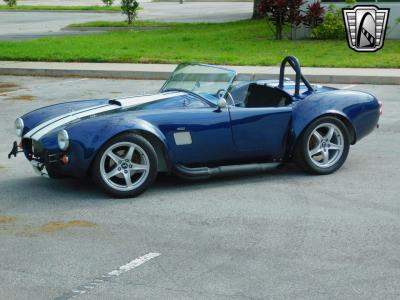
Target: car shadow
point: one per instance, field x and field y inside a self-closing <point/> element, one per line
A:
<point x="286" y="171"/>
<point x="84" y="193"/>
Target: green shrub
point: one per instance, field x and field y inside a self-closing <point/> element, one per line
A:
<point x="130" y="8"/>
<point x="351" y="3"/>
<point x="108" y="2"/>
<point x="332" y="27"/>
<point x="11" y="3"/>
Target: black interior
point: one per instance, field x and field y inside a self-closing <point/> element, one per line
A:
<point x="260" y="95"/>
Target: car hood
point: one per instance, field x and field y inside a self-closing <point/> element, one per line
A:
<point x="40" y="122"/>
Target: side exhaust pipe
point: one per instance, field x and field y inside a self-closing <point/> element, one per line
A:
<point x="206" y="172"/>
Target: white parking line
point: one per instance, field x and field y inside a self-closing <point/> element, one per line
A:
<point x="133" y="264"/>
<point x="85" y="288"/>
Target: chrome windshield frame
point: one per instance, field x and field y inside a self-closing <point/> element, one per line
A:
<point x="179" y="66"/>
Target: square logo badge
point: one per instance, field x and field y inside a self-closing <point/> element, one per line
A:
<point x="365" y="27"/>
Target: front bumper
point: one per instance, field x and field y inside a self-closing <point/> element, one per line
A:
<point x="34" y="158"/>
<point x="49" y="161"/>
<point x="45" y="162"/>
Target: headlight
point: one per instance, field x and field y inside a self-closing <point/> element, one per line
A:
<point x="63" y="140"/>
<point x="19" y="126"/>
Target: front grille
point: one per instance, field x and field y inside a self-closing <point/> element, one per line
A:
<point x="27" y="146"/>
<point x="35" y="150"/>
<point x="53" y="158"/>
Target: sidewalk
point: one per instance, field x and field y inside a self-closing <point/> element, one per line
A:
<point x="162" y="71"/>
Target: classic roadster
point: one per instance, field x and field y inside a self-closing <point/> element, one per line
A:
<point x="202" y="123"/>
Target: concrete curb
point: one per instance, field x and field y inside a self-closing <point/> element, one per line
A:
<point x="162" y="72"/>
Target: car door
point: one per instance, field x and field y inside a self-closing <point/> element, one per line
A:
<point x="197" y="134"/>
<point x="261" y="131"/>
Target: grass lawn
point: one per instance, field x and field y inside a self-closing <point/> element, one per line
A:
<point x="66" y="8"/>
<point x="235" y="43"/>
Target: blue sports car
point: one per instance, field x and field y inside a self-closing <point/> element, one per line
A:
<point x="202" y="123"/>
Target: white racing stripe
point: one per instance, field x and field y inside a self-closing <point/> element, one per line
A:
<point x="42" y="129"/>
<point x="49" y="122"/>
<point x="38" y="135"/>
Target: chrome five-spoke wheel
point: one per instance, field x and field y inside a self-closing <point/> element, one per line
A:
<point x="125" y="166"/>
<point x="323" y="146"/>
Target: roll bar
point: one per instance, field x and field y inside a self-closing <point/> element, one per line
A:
<point x="295" y="64"/>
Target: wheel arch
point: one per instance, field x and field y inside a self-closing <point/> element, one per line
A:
<point x="159" y="146"/>
<point x="343" y="118"/>
<point x="346" y="121"/>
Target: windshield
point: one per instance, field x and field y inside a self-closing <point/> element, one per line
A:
<point x="201" y="79"/>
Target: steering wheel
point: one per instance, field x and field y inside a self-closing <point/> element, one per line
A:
<point x="221" y="93"/>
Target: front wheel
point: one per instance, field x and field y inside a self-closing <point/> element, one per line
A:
<point x="125" y="166"/>
<point x="323" y="147"/>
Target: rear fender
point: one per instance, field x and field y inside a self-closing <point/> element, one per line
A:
<point x="300" y="129"/>
<point x="358" y="111"/>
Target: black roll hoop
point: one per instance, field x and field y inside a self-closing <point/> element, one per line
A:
<point x="295" y="64"/>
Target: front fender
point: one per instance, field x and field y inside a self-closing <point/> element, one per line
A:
<point x="88" y="136"/>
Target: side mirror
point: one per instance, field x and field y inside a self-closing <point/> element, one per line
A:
<point x="221" y="103"/>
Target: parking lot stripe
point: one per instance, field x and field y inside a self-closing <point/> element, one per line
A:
<point x="133" y="264"/>
<point x="85" y="288"/>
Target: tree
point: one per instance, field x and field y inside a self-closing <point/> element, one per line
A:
<point x="11" y="3"/>
<point x="295" y="16"/>
<point x="256" y="13"/>
<point x="276" y="12"/>
<point x="108" y="2"/>
<point x="129" y="8"/>
<point x="315" y="15"/>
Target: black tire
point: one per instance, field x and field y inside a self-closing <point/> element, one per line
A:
<point x="302" y="148"/>
<point x="151" y="172"/>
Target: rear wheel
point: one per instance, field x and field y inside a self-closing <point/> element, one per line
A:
<point x="125" y="166"/>
<point x="323" y="147"/>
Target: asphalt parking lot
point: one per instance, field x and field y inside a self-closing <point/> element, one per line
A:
<point x="277" y="235"/>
